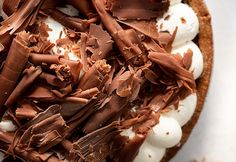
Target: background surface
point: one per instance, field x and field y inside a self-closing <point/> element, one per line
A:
<point x="214" y="137"/>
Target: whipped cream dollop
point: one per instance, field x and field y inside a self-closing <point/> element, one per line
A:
<point x="197" y="60"/>
<point x="184" y="18"/>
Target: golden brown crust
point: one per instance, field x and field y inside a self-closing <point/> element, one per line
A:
<point x="205" y="42"/>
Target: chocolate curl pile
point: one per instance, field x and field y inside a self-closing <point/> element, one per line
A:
<point x="98" y="106"/>
<point x="13" y="67"/>
<point x="127" y="41"/>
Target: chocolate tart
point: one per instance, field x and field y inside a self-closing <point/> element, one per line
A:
<point x="205" y="42"/>
<point x="123" y="83"/>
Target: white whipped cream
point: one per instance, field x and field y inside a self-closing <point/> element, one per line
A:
<point x="149" y="153"/>
<point x="185" y="110"/>
<point x="7" y="126"/>
<point x="166" y="134"/>
<point x="181" y="16"/>
<point x="173" y="2"/>
<point x="197" y="65"/>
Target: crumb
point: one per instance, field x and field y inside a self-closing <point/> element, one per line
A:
<point x="183" y="20"/>
<point x="167" y="18"/>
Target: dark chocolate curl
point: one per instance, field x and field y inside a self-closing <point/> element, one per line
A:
<point x="169" y="62"/>
<point x="106" y="112"/>
<point x="40" y="59"/>
<point x="95" y="146"/>
<point x="68" y="21"/>
<point x="99" y="73"/>
<point x="127" y="40"/>
<point x="42" y="132"/>
<point x="14" y="65"/>
<point x="138" y="9"/>
<point x="148" y="28"/>
<point x="41" y="93"/>
<point x="52" y="80"/>
<point x="84" y="112"/>
<point x="29" y="77"/>
<point x="10" y="6"/>
<point x="26" y="110"/>
<point x="100" y="42"/>
<point x="23" y="153"/>
<point x="5" y="42"/>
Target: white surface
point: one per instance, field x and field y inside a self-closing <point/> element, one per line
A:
<point x="214" y="137"/>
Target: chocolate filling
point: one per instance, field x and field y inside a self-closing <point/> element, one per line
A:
<point x="76" y="110"/>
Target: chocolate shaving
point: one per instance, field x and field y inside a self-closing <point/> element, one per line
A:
<point x="30" y="155"/>
<point x="26" y="110"/>
<point x="148" y="28"/>
<point x="95" y="146"/>
<point x="68" y="21"/>
<point x="10" y="6"/>
<point x="169" y="62"/>
<point x="43" y="132"/>
<point x="187" y="59"/>
<point x="12" y="70"/>
<point x="29" y="77"/>
<point x="100" y="42"/>
<point x="127" y="40"/>
<point x="138" y="9"/>
<point x="99" y="71"/>
<point x="106" y="112"/>
<point x="41" y="93"/>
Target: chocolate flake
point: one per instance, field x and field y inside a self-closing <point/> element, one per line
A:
<point x="138" y="9"/>
<point x="12" y="70"/>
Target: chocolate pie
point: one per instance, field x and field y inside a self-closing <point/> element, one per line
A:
<point x="101" y="80"/>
